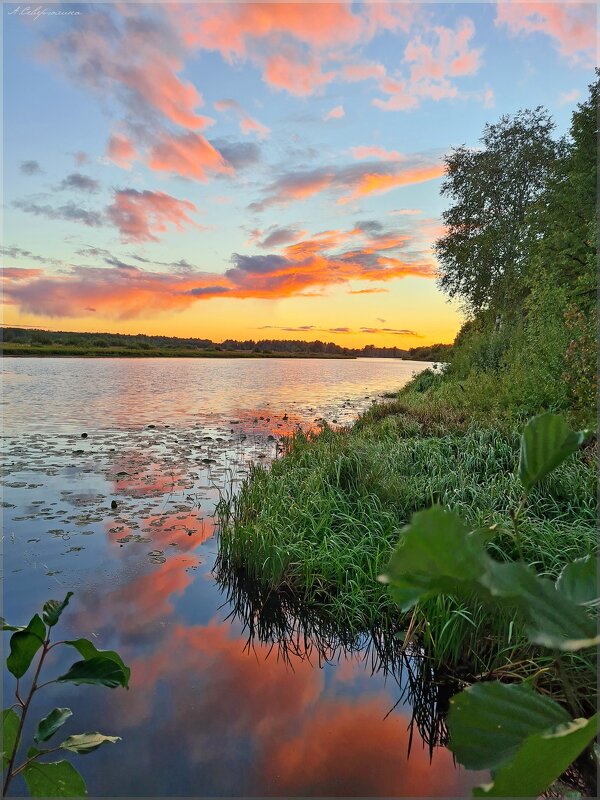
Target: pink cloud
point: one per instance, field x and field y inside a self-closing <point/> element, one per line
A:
<point x="566" y="98"/>
<point x="374" y="151"/>
<point x="389" y="16"/>
<point x="489" y="99"/>
<point x="130" y="57"/>
<point x="290" y="46"/>
<point x="406" y="211"/>
<point x="20" y="274"/>
<point x="109" y="292"/>
<point x="336" y="113"/>
<point x="433" y="60"/>
<point x="363" y="71"/>
<point x="189" y="155"/>
<point x="157" y="82"/>
<point x="250" y="125"/>
<point x="571" y="26"/>
<point x="120" y="149"/>
<point x="297" y="75"/>
<point x="234" y="28"/>
<point x="139" y="215"/>
<point x="246" y="122"/>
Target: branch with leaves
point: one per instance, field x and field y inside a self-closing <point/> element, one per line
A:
<point x="99" y="667"/>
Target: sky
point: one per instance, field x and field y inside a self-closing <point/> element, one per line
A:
<point x="257" y="170"/>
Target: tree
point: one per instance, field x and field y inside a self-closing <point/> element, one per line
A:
<point x="564" y="248"/>
<point x="483" y="253"/>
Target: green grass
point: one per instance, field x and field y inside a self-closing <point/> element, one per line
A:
<point x="321" y="523"/>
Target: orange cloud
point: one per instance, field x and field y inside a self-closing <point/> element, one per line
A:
<point x="138" y="215"/>
<point x="359" y="179"/>
<point x="374" y="182"/>
<point x="365" y="253"/>
<point x="290" y="46"/>
<point x="571" y="26"/>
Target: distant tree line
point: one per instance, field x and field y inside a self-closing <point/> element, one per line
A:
<point x="141" y="342"/>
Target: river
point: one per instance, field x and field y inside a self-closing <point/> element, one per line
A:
<point x="214" y="708"/>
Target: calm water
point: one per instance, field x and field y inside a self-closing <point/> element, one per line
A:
<point x="229" y="695"/>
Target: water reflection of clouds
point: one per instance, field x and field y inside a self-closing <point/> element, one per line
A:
<point x="297" y="736"/>
<point x="206" y="715"/>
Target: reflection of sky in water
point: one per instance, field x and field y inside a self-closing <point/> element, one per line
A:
<point x="204" y="715"/>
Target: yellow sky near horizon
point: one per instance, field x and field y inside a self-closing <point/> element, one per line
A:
<point x="289" y="318"/>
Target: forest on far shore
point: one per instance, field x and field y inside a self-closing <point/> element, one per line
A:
<point x="28" y="341"/>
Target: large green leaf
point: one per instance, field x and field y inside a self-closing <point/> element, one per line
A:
<point x="579" y="581"/>
<point x="545" y="443"/>
<point x="88" y="650"/>
<point x="10" y="727"/>
<point x="435" y="554"/>
<point x="56" y="779"/>
<point x="83" y="743"/>
<point x="541" y="759"/>
<point x="552" y="619"/>
<point x="97" y="670"/>
<point x="24" y="644"/>
<point x="48" y="726"/>
<point x="488" y="722"/>
<point x="54" y="608"/>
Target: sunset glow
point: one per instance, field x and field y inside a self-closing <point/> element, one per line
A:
<point x="254" y="170"/>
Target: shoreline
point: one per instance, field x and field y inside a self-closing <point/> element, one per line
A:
<point x="41" y="352"/>
<point x="51" y="353"/>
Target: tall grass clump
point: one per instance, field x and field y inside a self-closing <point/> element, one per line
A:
<point x="321" y="522"/>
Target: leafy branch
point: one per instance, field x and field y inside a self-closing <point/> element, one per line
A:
<point x="100" y="667"/>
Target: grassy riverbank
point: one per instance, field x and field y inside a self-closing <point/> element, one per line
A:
<point x="321" y="523"/>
